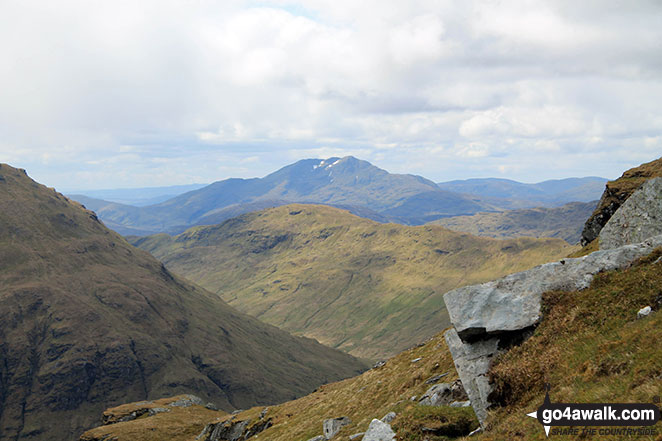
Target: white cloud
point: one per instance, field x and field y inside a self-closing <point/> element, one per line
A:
<point x="487" y="86"/>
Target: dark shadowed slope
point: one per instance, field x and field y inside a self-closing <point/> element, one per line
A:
<point x="89" y="321"/>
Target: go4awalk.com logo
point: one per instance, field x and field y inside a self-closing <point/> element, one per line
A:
<point x="623" y="419"/>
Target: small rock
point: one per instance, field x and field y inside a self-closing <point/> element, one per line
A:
<point x="461" y="403"/>
<point x="356" y="436"/>
<point x="433" y="380"/>
<point x="211" y="406"/>
<point x="187" y="401"/>
<point x="416" y="360"/>
<point x="644" y="312"/>
<point x="155" y="410"/>
<point x="333" y="425"/>
<point x="389" y="417"/>
<point x="438" y="395"/>
<point x="236" y="412"/>
<point x="379" y="364"/>
<point x="264" y="412"/>
<point x="317" y="438"/>
<point x="413" y="398"/>
<point x="379" y="431"/>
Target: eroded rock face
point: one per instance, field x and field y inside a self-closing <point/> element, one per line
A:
<point x="490" y="317"/>
<point x="639" y="218"/>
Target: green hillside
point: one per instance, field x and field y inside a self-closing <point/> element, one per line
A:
<point x="367" y="288"/>
<point x="564" y="222"/>
<point x="589" y="347"/>
<point x="88" y="321"/>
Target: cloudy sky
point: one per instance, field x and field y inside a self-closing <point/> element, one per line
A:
<point x="145" y="93"/>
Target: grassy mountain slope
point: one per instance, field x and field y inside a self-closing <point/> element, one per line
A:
<point x="89" y="321"/>
<point x="547" y="193"/>
<point x="615" y="193"/>
<point x="367" y="288"/>
<point x="347" y="182"/>
<point x="564" y="222"/>
<point x="370" y="395"/>
<point x="589" y="346"/>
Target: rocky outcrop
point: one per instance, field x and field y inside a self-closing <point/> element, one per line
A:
<point x="639" y="218"/>
<point x="379" y="431"/>
<point x="615" y="194"/>
<point x="132" y="411"/>
<point x="490" y="317"/>
<point x="443" y="394"/>
<point x="333" y="425"/>
<point x="232" y="430"/>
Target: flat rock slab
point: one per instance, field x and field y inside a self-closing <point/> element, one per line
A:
<point x="639" y="218"/>
<point x="513" y="302"/>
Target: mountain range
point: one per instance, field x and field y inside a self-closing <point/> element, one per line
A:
<point x="347" y="183"/>
<point x="512" y="194"/>
<point x="367" y="288"/>
<point x="88" y="320"/>
<point x="565" y="222"/>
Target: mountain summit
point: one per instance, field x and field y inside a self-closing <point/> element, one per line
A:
<point x="346" y="182"/>
<point x="89" y="321"/>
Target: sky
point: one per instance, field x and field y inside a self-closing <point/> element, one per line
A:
<point x="131" y="94"/>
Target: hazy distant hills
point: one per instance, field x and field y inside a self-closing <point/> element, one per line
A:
<point x="89" y="321"/>
<point x="565" y="222"/>
<point x="140" y="197"/>
<point x="346" y="183"/>
<point x="367" y="288"/>
<point x="342" y="182"/>
<point x="519" y="195"/>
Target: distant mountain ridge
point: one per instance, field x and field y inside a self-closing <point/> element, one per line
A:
<point x="346" y="182"/>
<point x="138" y="197"/>
<point x="565" y="222"/>
<point x="554" y="192"/>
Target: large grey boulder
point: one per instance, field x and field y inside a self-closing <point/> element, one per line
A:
<point x="332" y="426"/>
<point x="513" y="302"/>
<point x="379" y="431"/>
<point x="639" y="218"/>
<point x="487" y="318"/>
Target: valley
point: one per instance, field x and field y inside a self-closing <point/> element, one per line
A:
<point x="369" y="289"/>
